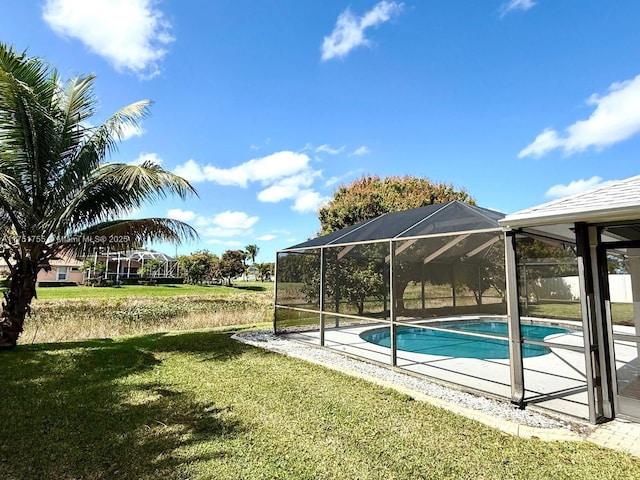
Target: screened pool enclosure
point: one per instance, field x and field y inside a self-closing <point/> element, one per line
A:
<point x="432" y="261"/>
<point x="425" y="290"/>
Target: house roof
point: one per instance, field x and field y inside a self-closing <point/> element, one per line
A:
<point x="609" y="202"/>
<point x="443" y="218"/>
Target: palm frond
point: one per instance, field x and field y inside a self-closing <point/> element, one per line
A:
<point x="116" y="188"/>
<point x="92" y="145"/>
<point x="126" y="234"/>
<point x="27" y="122"/>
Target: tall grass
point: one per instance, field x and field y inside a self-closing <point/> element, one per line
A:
<point x="68" y="319"/>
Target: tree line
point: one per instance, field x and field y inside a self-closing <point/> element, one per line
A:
<point x="204" y="267"/>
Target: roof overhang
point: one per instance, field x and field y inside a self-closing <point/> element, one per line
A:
<point x="610" y="202"/>
<point x="603" y="215"/>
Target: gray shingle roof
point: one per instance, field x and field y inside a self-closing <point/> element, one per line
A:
<point x="611" y="201"/>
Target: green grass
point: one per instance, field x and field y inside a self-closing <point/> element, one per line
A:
<point x="136" y="291"/>
<point x="621" y="313"/>
<point x="200" y="405"/>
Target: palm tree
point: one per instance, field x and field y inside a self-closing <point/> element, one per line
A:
<point x="252" y="252"/>
<point x="57" y="193"/>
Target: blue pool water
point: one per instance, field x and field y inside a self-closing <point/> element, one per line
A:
<point x="454" y="344"/>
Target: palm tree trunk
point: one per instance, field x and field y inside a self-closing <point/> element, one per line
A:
<point x="17" y="304"/>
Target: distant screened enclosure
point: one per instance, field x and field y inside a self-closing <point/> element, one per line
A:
<point x="439" y="260"/>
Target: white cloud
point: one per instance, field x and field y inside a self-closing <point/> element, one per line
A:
<point x="615" y="118"/>
<point x="228" y="243"/>
<point x="154" y="157"/>
<point x="363" y="150"/>
<point x="266" y="238"/>
<point x="576" y="186"/>
<point x="224" y="232"/>
<point x="232" y="220"/>
<point x="309" y="201"/>
<point x="182" y="215"/>
<point x="349" y="30"/>
<point x="285" y="175"/>
<point x="129" y="131"/>
<point x="226" y="224"/>
<point x="295" y="188"/>
<point x="333" y="180"/>
<point x="130" y="34"/>
<point x="331" y="151"/>
<point x="288" y="188"/>
<point x="513" y="5"/>
<point x="190" y="170"/>
<point x="266" y="169"/>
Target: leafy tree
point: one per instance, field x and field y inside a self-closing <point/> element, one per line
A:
<point x="150" y="268"/>
<point x="99" y="269"/>
<point x="57" y="193"/>
<point x="232" y="264"/>
<point x="199" y="267"/>
<point x="265" y="271"/>
<point x="370" y="196"/>
<point x="89" y="267"/>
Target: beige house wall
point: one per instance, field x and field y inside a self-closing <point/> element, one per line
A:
<point x="72" y="267"/>
<point x="56" y="272"/>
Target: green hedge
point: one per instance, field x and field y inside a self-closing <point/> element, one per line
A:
<point x="56" y="284"/>
<point x="169" y="280"/>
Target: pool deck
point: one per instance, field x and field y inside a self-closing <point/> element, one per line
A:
<point x="554" y="382"/>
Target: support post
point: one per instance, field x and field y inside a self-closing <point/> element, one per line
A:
<point x="337" y="290"/>
<point x="594" y="317"/>
<point x="634" y="271"/>
<point x="392" y="283"/>
<point x="275" y="295"/>
<point x="516" y="367"/>
<point x="323" y="265"/>
<point x="118" y="267"/>
<point x="422" y="291"/>
<point x="453" y="285"/>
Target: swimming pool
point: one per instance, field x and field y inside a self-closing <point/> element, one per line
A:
<point x="454" y="344"/>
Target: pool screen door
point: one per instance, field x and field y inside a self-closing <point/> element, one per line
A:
<point x="622" y="310"/>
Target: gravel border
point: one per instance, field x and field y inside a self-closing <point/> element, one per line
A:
<point x="488" y="406"/>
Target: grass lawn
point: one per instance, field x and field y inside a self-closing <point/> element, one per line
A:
<point x="136" y="291"/>
<point x="200" y="405"/>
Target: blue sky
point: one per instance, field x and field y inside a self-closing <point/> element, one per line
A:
<point x="267" y="106"/>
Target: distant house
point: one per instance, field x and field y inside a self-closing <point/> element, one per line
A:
<point x="63" y="269"/>
<point x="130" y="264"/>
<point x="117" y="266"/>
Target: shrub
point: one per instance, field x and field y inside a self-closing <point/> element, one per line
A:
<point x="57" y="284"/>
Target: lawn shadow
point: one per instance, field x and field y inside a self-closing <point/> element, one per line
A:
<point x="252" y="288"/>
<point x="105" y="408"/>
